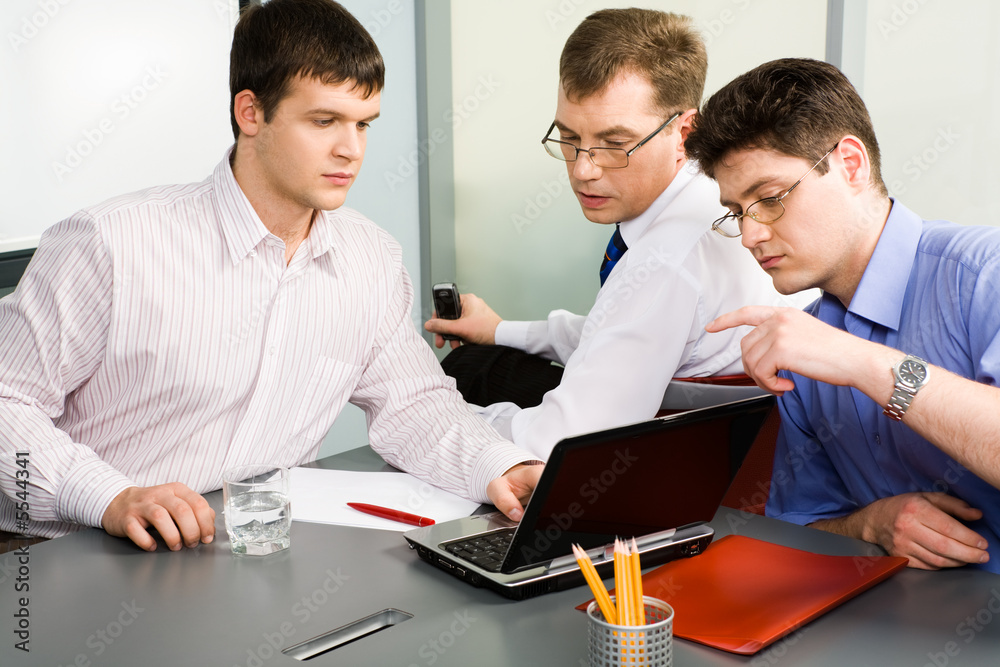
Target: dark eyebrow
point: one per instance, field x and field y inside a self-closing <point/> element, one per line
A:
<point x="756" y="185"/>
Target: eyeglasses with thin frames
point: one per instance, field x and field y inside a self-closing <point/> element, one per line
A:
<point x="764" y="211"/>
<point x="605" y="158"/>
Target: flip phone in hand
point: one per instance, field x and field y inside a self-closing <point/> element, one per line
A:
<point x="447" y="304"/>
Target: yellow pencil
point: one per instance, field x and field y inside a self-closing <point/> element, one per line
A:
<point x="623" y="584"/>
<point x="640" y="607"/>
<point x="618" y="586"/>
<point x="596" y="585"/>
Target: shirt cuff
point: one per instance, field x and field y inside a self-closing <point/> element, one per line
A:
<point x="87" y="490"/>
<point x="805" y="518"/>
<point x="512" y="334"/>
<point x="492" y="463"/>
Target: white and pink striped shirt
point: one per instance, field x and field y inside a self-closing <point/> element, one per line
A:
<point x="160" y="337"/>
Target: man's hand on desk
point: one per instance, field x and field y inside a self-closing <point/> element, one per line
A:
<point x="477" y="324"/>
<point x="181" y="516"/>
<point x="927" y="528"/>
<point x="510" y="491"/>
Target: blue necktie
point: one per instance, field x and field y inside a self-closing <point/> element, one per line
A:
<point x="616" y="248"/>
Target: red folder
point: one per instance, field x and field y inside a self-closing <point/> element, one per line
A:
<point x="743" y="594"/>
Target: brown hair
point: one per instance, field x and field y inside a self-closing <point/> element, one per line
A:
<point x="796" y="106"/>
<point x="281" y="40"/>
<point x="664" y="48"/>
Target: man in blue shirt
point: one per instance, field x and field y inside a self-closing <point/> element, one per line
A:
<point x="890" y="430"/>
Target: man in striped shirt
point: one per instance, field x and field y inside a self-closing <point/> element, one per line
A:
<point x="162" y="337"/>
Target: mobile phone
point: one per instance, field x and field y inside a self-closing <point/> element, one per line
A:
<point x="447" y="303"/>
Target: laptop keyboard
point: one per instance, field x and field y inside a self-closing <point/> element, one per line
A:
<point x="486" y="550"/>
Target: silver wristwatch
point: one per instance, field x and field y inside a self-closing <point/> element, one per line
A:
<point x="911" y="374"/>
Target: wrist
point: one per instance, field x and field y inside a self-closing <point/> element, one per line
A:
<point x="876" y="378"/>
<point x="910" y="375"/>
<point x="493" y="333"/>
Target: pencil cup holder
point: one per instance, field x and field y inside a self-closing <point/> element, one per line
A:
<point x="650" y="645"/>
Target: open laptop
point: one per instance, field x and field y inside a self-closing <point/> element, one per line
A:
<point x="659" y="481"/>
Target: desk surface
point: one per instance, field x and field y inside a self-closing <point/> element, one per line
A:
<point x="96" y="600"/>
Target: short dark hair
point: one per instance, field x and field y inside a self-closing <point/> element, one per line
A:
<point x="663" y="48"/>
<point x="796" y="106"/>
<point x="281" y="40"/>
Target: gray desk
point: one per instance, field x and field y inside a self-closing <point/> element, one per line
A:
<point x="96" y="600"/>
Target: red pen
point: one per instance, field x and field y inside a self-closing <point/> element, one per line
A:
<point x="392" y="515"/>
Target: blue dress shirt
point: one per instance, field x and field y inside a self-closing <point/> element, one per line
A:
<point x="931" y="289"/>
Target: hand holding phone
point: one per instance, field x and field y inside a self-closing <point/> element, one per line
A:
<point x="447" y="304"/>
<point x="478" y="323"/>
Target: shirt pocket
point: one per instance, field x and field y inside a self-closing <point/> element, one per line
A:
<point x="332" y="382"/>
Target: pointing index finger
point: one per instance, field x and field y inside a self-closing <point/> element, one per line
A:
<point x="751" y="315"/>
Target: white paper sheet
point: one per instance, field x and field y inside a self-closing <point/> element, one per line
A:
<point x="321" y="496"/>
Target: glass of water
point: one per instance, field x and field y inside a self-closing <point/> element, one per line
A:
<point x="258" y="512"/>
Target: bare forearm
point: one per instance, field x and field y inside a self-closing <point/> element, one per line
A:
<point x="960" y="417"/>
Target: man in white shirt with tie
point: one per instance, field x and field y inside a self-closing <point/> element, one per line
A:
<point x="162" y="337"/>
<point x="630" y="83"/>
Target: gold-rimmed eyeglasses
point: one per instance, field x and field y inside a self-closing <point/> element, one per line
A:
<point x="764" y="211"/>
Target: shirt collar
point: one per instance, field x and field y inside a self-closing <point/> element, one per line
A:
<point x="242" y="228"/>
<point x="879" y="297"/>
<point x="321" y="235"/>
<point x="240" y="224"/>
<point x="633" y="229"/>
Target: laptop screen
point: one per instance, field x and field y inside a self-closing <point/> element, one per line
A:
<point x="635" y="480"/>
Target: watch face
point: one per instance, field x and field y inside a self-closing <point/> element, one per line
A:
<point x="912" y="372"/>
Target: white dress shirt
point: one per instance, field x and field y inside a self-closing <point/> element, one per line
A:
<point x="161" y="337"/>
<point x="647" y="324"/>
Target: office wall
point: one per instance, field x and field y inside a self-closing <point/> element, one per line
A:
<point x="387" y="187"/>
<point x="932" y="84"/>
<point x="105" y="97"/>
<point x="521" y="240"/>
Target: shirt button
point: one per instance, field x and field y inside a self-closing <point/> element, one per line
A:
<point x="273" y="351"/>
<point x="253" y="253"/>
